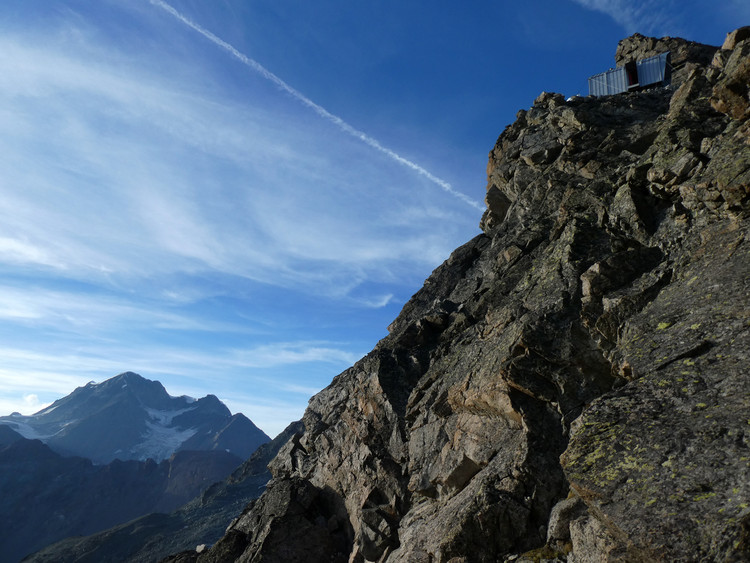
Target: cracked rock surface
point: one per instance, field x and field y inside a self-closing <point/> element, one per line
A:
<point x="573" y="383"/>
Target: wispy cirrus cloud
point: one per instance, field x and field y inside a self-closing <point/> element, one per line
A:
<point x="276" y="401"/>
<point x="163" y="359"/>
<point x="650" y="17"/>
<point x="86" y="311"/>
<point x="289" y="353"/>
<point x="321" y="111"/>
<point x="109" y="169"/>
<point x="166" y="211"/>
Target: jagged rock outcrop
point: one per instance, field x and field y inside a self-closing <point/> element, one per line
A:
<point x="573" y="382"/>
<point x="684" y="55"/>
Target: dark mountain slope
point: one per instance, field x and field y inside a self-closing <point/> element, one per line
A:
<point x="572" y="383"/>
<point x="201" y="521"/>
<point x="47" y="497"/>
<point x="8" y="436"/>
<point x="194" y="442"/>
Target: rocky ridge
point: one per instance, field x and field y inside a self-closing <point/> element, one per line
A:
<point x="572" y="384"/>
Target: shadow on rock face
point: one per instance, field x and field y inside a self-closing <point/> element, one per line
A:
<point x="302" y="523"/>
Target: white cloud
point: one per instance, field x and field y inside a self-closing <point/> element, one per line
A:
<point x="31" y="400"/>
<point x="305" y="390"/>
<point x="110" y="171"/>
<point x="20" y="251"/>
<point x="319" y="110"/>
<point x="88" y="312"/>
<point x="156" y="211"/>
<point x="10" y="405"/>
<point x="270" y="416"/>
<point x="28" y="370"/>
<point x="376" y="302"/>
<point x="289" y="353"/>
<point x="649" y="17"/>
<point x="102" y="360"/>
<point x="31" y="380"/>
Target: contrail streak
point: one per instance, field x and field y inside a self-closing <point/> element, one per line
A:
<point x="321" y="111"/>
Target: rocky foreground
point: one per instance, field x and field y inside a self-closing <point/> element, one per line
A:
<point x="572" y="384"/>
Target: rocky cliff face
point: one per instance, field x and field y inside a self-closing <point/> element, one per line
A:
<point x="573" y="382"/>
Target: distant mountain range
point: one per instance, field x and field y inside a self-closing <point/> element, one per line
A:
<point x="108" y="453"/>
<point x="202" y="521"/>
<point x="130" y="417"/>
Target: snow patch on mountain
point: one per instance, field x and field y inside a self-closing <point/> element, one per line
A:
<point x="165" y="417"/>
<point x="160" y="441"/>
<point x="31" y="432"/>
<point x="47" y="410"/>
<point x="25" y="429"/>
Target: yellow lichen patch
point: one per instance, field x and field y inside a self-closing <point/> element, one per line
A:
<point x="595" y="456"/>
<point x="695" y="326"/>
<point x="663" y="325"/>
<point x="545" y="553"/>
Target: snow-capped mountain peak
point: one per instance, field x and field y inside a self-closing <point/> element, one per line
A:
<point x="130" y="417"/>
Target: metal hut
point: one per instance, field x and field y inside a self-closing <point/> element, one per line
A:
<point x="656" y="70"/>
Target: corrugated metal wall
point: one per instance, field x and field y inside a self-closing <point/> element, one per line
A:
<point x="653" y="70"/>
<point x="614" y="81"/>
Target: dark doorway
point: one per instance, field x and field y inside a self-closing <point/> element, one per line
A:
<point x="632" y="71"/>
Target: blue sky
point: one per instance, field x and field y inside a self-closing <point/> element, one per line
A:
<point x="237" y="197"/>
